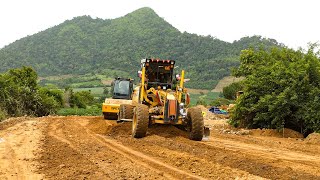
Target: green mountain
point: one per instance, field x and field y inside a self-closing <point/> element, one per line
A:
<point x="85" y="45"/>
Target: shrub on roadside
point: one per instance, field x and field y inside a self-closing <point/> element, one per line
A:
<point x="81" y="99"/>
<point x="221" y="101"/>
<point x="20" y="94"/>
<point x="229" y="92"/>
<point x="281" y="89"/>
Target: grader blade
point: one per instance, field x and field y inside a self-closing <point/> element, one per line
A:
<point x="123" y="120"/>
<point x="206" y="133"/>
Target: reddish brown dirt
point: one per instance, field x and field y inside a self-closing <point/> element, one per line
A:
<point x="92" y="148"/>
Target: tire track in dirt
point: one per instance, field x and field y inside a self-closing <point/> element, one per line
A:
<point x="20" y="139"/>
<point x="168" y="171"/>
<point x="294" y="160"/>
<point x="71" y="153"/>
<point x="200" y="156"/>
<point x="147" y="161"/>
<point x="92" y="148"/>
<point x="109" y="144"/>
<point x="172" y="146"/>
<point x="269" y="153"/>
<point x="89" y="148"/>
<point x="13" y="167"/>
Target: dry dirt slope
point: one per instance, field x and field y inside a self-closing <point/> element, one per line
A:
<point x="226" y="81"/>
<point x="91" y="148"/>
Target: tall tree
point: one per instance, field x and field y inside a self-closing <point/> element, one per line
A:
<point x="281" y="89"/>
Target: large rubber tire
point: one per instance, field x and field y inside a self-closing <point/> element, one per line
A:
<point x="125" y="111"/>
<point x="140" y="121"/>
<point x="195" y="124"/>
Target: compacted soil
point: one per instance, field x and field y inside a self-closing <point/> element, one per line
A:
<point x="80" y="147"/>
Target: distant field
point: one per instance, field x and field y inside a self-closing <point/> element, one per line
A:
<point x="57" y="77"/>
<point x="94" y="91"/>
<point x="95" y="83"/>
<point x="76" y="81"/>
<point x="107" y="81"/>
<point x="208" y="97"/>
<point x="197" y="91"/>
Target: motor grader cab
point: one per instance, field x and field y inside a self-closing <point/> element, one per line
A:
<point x="159" y="101"/>
<point x="121" y="89"/>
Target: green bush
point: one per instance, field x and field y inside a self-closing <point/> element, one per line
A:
<point x="3" y="114"/>
<point x="229" y="92"/>
<point x="221" y="101"/>
<point x="21" y="95"/>
<point x="81" y="99"/>
<point x="50" y="101"/>
<point x="281" y="89"/>
<point x="201" y="101"/>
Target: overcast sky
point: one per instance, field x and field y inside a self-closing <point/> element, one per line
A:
<point x="292" y="22"/>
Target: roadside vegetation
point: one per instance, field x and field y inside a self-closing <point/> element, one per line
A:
<point x="281" y="89"/>
<point x="21" y="95"/>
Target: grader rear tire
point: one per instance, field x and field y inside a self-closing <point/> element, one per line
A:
<point x="195" y="124"/>
<point x="140" y="121"/>
<point x="125" y="111"/>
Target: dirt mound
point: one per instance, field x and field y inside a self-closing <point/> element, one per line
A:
<point x="313" y="138"/>
<point x="167" y="131"/>
<point x="12" y="121"/>
<point x="121" y="130"/>
<point x="276" y="133"/>
<point x="211" y="116"/>
<point x="100" y="126"/>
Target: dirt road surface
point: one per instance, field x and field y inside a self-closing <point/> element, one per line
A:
<point x="92" y="148"/>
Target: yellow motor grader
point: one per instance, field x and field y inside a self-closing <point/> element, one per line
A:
<point x="157" y="100"/>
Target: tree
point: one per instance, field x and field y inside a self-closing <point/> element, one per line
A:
<point x="81" y="99"/>
<point x="21" y="95"/>
<point x="281" y="89"/>
<point x="230" y="91"/>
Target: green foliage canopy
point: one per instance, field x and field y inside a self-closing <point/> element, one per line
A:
<point x="21" y="95"/>
<point x="281" y="89"/>
<point x="84" y="45"/>
<point x="81" y="99"/>
<point x="230" y="91"/>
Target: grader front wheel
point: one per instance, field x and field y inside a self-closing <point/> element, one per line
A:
<point x="195" y="124"/>
<point x="140" y="121"/>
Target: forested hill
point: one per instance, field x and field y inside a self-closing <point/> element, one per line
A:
<point x="85" y="45"/>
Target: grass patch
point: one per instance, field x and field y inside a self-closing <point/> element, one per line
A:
<point x="89" y="83"/>
<point x="97" y="92"/>
<point x="94" y="90"/>
<point x="76" y="81"/>
<point x="89" y="111"/>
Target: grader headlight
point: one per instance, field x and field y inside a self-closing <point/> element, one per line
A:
<point x="182" y="110"/>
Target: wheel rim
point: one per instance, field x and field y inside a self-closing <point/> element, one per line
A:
<point x="134" y="121"/>
<point x="119" y="114"/>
